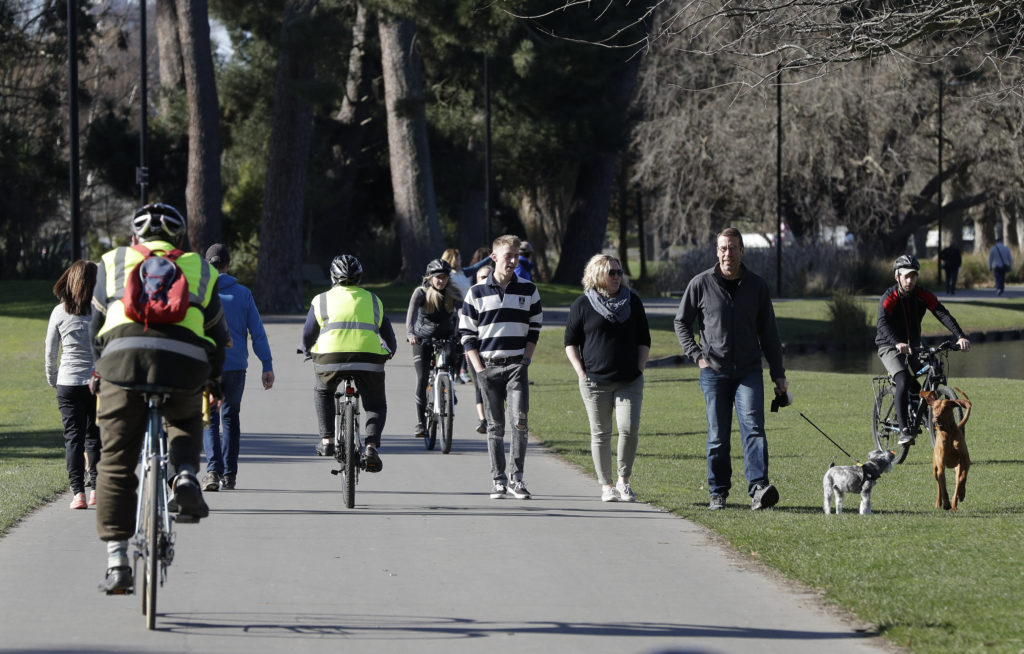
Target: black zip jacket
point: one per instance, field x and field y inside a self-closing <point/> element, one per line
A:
<point x="734" y="332"/>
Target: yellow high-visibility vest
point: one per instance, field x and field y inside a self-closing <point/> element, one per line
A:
<point x="350" y="319"/>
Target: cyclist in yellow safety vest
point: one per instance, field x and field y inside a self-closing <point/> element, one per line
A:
<point x="347" y="335"/>
<point x="179" y="356"/>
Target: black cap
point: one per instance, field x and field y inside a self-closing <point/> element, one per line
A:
<point x="218" y="255"/>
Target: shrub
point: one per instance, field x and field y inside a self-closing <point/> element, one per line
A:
<point x="849" y="322"/>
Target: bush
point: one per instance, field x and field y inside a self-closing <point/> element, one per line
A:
<point x="848" y="322"/>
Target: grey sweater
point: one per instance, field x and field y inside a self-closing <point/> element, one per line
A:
<point x="734" y="331"/>
<point x="68" y="353"/>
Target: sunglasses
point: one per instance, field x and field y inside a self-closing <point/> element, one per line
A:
<point x="615" y="272"/>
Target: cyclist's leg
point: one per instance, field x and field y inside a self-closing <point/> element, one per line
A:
<point x="375" y="405"/>
<point x="900" y="388"/>
<point x="122" y="422"/>
<point x="183" y="415"/>
<point x="323" y="402"/>
<point x="421" y="356"/>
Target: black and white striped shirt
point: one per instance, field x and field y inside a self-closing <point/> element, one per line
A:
<point x="500" y="322"/>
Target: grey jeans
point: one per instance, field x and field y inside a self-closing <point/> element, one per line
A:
<point x="500" y="385"/>
<point x="626" y="399"/>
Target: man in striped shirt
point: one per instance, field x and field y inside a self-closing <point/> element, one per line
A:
<point x="499" y="326"/>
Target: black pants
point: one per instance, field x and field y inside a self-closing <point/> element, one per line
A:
<point x="371" y="395"/>
<point x="81" y="434"/>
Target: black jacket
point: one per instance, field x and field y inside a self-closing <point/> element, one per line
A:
<point x="900" y="314"/>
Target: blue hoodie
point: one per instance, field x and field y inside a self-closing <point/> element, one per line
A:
<point x="242" y="317"/>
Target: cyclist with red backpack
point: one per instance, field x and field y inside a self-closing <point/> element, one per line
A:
<point x="158" y="321"/>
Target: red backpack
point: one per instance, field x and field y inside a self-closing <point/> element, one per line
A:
<point x="156" y="291"/>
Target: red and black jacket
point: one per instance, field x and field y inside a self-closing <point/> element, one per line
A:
<point x="900" y="314"/>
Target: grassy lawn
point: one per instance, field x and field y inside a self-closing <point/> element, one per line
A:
<point x="929" y="580"/>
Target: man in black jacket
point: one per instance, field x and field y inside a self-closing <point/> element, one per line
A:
<point x="899" y="331"/>
<point x="733" y="306"/>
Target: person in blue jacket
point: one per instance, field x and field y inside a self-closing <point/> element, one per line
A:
<point x="243" y="321"/>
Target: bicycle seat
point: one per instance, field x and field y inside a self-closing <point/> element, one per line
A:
<point x="151" y="389"/>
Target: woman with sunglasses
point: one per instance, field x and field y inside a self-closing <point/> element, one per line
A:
<point x="608" y="341"/>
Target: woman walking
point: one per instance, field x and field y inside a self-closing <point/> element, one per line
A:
<point x="431" y="314"/>
<point x="608" y="341"/>
<point x="69" y="365"/>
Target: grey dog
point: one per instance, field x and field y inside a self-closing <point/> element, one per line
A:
<point x="855" y="479"/>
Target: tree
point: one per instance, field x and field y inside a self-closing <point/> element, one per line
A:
<point x="172" y="72"/>
<point x="279" y="281"/>
<point x="203" y="191"/>
<point x="412" y="178"/>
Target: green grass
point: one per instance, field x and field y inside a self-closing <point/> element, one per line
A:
<point x="929" y="580"/>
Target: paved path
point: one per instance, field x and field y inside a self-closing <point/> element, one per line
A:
<point x="426" y="562"/>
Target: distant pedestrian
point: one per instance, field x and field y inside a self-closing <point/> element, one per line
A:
<point x="733" y="307"/>
<point x="481" y="428"/>
<point x="525" y="266"/>
<point x="1000" y="262"/>
<point x="499" y="326"/>
<point x="69" y="364"/>
<point x="244" y="322"/>
<point x="459" y="282"/>
<point x="951" y="260"/>
<point x="608" y="341"/>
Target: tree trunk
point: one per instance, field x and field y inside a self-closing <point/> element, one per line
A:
<point x="203" y="190"/>
<point x="412" y="180"/>
<point x="172" y="72"/>
<point x="279" y="271"/>
<point x="329" y="233"/>
<point x="588" y="217"/>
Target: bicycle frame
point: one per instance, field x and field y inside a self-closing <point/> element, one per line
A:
<point x="439" y="368"/>
<point x="347" y="396"/>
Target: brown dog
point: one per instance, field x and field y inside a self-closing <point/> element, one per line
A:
<point x="950" y="445"/>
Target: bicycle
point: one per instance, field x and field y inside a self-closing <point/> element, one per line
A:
<point x="348" y="442"/>
<point x="885" y="427"/>
<point x="440" y="407"/>
<point x="153" y="541"/>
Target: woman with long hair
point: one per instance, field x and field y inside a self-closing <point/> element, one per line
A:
<point x="69" y="364"/>
<point x="432" y="313"/>
<point x="608" y="342"/>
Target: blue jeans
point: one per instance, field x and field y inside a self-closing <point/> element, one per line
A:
<point x="500" y="385"/>
<point x="721" y="392"/>
<point x="222" y="449"/>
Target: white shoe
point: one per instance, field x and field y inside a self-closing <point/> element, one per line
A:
<point x="626" y="493"/>
<point x="610" y="494"/>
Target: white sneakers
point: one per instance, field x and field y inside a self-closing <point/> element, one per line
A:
<point x="620" y="492"/>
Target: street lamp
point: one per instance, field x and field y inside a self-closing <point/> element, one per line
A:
<point x="778" y="180"/>
<point x="142" y="173"/>
<point x="73" y="168"/>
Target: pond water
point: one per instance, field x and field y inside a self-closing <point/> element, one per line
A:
<point x="1004" y="359"/>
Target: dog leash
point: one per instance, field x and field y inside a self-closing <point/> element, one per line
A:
<point x="830" y="439"/>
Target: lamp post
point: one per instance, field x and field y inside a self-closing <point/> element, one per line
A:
<point x="142" y="172"/>
<point x="487" y="152"/>
<point x="778" y="180"/>
<point x="73" y="168"/>
<point x="938" y="248"/>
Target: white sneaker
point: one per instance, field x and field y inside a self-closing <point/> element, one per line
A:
<point x="626" y="493"/>
<point x="498" y="491"/>
<point x="610" y="494"/>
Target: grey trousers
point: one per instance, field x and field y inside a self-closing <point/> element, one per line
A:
<point x="500" y="385"/>
<point x="600" y="399"/>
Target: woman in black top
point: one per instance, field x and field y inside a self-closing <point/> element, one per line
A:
<point x="608" y="341"/>
<point x="433" y="313"/>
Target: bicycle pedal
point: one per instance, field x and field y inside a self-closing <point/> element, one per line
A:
<point x="122" y="591"/>
<point x="335" y="472"/>
<point x="186" y="519"/>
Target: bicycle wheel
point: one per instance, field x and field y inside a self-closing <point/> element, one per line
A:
<point x="447" y="412"/>
<point x="348" y="486"/>
<point x="885" y="428"/>
<point x="430" y="419"/>
<point x="152" y="553"/>
<point x="958" y="412"/>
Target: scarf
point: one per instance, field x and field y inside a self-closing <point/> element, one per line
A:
<point x="614" y="309"/>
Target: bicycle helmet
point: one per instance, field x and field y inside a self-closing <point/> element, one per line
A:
<point x="906" y="262"/>
<point x="345" y="269"/>
<point x="158" y="220"/>
<point x="438" y="267"/>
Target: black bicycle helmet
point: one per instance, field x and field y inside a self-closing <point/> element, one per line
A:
<point x="158" y="220"/>
<point x="438" y="267"/>
<point x="346" y="269"/>
<point x="906" y="261"/>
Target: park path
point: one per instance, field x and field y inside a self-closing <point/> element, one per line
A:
<point x="426" y="562"/>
